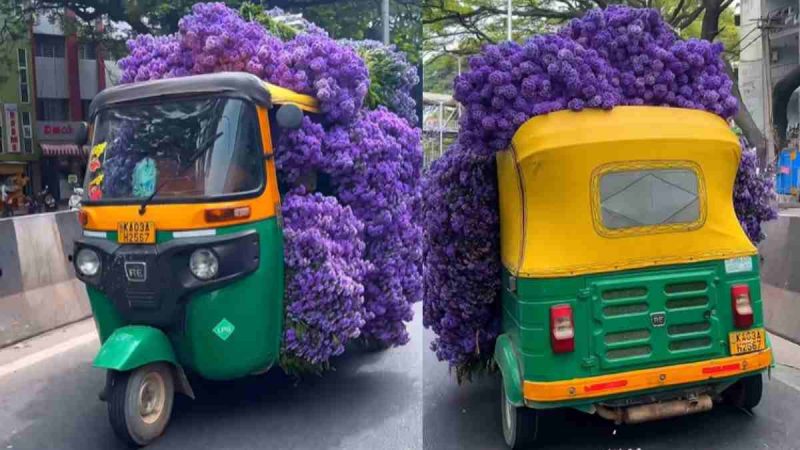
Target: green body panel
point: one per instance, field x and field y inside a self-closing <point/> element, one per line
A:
<point x="134" y="346"/>
<point x="612" y="315"/>
<point x="508" y="362"/>
<point x="253" y="305"/>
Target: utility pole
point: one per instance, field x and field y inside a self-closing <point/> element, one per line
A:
<point x="766" y="63"/>
<point x="385" y="20"/>
<point x="509" y="12"/>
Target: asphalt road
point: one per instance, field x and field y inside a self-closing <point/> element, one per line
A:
<point x="468" y="417"/>
<point x="371" y="401"/>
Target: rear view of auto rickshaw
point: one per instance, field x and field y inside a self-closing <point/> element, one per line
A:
<point x="182" y="249"/>
<point x="630" y="289"/>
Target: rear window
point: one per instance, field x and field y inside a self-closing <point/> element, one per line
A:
<point x="648" y="197"/>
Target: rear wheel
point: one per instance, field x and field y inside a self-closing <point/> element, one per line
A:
<point x="520" y="424"/>
<point x="747" y="392"/>
<point x="140" y="403"/>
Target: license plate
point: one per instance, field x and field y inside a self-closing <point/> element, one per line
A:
<point x="136" y="232"/>
<point x="747" y="341"/>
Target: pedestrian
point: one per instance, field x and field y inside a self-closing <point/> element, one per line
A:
<point x="6" y="199"/>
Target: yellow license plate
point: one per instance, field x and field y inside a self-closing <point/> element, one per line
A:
<point x="136" y="232"/>
<point x="747" y="341"/>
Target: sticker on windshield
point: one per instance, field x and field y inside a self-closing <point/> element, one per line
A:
<point x="736" y="265"/>
<point x="224" y="329"/>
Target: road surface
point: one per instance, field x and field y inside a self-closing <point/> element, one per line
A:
<point x="48" y="400"/>
<point x="468" y="417"/>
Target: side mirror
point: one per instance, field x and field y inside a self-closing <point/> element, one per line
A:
<point x="289" y="116"/>
<point x="82" y="134"/>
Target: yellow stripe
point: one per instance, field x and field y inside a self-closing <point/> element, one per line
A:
<point x="280" y="96"/>
<point x="639" y="380"/>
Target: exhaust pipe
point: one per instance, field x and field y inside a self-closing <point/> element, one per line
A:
<point x="656" y="411"/>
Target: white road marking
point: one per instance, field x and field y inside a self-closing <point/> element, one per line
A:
<point x="47" y="353"/>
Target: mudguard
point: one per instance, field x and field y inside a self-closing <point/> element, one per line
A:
<point x="506" y="360"/>
<point x="134" y="346"/>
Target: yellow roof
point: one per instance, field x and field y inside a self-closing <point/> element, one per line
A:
<point x="551" y="215"/>
<point x="280" y="95"/>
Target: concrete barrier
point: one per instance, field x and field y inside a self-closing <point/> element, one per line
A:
<point x="38" y="288"/>
<point x="780" y="275"/>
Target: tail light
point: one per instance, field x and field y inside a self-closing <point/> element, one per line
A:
<point x="742" y="307"/>
<point x="562" y="329"/>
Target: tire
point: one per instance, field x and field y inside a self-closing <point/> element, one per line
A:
<point x="520" y="424"/>
<point x="140" y="403"/>
<point x="747" y="392"/>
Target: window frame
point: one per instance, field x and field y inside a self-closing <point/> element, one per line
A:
<point x="635" y="166"/>
<point x="27" y="132"/>
<point x="244" y="195"/>
<point x="24" y="84"/>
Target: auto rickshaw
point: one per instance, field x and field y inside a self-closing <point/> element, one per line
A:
<point x="182" y="246"/>
<point x="630" y="290"/>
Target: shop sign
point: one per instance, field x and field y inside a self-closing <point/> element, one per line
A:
<point x="57" y="131"/>
<point x="12" y="125"/>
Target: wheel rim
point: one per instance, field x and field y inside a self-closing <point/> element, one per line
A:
<point x="152" y="397"/>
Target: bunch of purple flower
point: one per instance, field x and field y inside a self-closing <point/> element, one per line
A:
<point x="375" y="166"/>
<point x="615" y="56"/>
<point x="325" y="267"/>
<point x="752" y="195"/>
<point x="215" y="38"/>
<point x="462" y="258"/>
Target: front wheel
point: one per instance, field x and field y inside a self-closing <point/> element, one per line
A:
<point x="520" y="424"/>
<point x="140" y="403"/>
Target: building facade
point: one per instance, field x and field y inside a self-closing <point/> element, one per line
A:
<point x="44" y="98"/>
<point x="768" y="62"/>
<point x="19" y="153"/>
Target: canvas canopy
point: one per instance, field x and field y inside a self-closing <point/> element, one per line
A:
<point x="598" y="191"/>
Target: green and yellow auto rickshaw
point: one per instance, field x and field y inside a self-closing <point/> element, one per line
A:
<point x="182" y="248"/>
<point x="629" y="288"/>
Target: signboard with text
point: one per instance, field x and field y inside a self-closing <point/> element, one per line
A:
<point x="57" y="131"/>
<point x="11" y="116"/>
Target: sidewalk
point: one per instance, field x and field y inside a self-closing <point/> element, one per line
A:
<point x="787" y="361"/>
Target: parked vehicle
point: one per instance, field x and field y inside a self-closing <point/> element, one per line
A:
<point x="182" y="251"/>
<point x="630" y="289"/>
<point x="48" y="200"/>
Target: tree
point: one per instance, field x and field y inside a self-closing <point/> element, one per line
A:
<point x="460" y="27"/>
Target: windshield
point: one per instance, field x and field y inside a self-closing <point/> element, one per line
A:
<point x="179" y="149"/>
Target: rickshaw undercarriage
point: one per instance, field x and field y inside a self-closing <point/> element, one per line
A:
<point x="656" y="411"/>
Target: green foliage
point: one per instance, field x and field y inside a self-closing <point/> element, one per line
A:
<point x="253" y="12"/>
<point x="361" y="19"/>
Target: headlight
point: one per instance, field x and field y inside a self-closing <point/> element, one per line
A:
<point x="87" y="262"/>
<point x="204" y="264"/>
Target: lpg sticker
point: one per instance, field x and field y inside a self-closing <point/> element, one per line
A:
<point x="736" y="265"/>
<point x="224" y="329"/>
